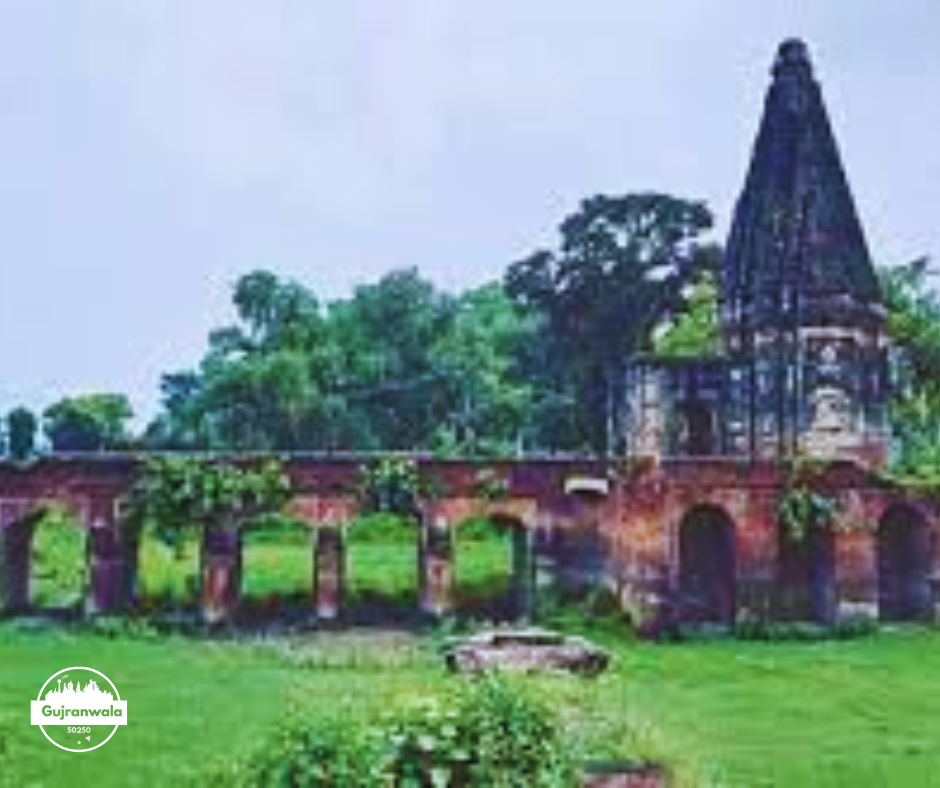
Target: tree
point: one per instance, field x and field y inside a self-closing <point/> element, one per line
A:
<point x="914" y="330"/>
<point x="90" y="422"/>
<point x="620" y="269"/>
<point x="394" y="387"/>
<point x="487" y="400"/>
<point x="21" y="433"/>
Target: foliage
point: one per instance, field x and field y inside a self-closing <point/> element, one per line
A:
<point x="90" y="422"/>
<point x="694" y="331"/>
<point x="392" y="485"/>
<point x="530" y="363"/>
<point x="21" y="433"/>
<point x="619" y="271"/>
<point x="177" y="493"/>
<point x="914" y="330"/>
<point x="327" y="754"/>
<point x="492" y="732"/>
<point x="490" y="486"/>
<point x="488" y="733"/>
<point x="58" y="565"/>
<point x="805" y="503"/>
<point x="399" y="366"/>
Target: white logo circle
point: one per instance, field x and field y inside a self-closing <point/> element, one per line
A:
<point x="91" y="695"/>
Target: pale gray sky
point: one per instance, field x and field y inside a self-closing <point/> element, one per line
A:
<point x="151" y="151"/>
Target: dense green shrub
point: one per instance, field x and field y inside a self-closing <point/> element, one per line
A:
<point x="489" y="733"/>
<point x="328" y="754"/>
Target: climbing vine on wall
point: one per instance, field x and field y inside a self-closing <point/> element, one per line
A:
<point x="393" y="485"/>
<point x="174" y="494"/>
<point x="491" y="486"/>
<point x="806" y="503"/>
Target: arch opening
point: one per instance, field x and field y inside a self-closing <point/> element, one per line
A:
<point x="904" y="558"/>
<point x="276" y="568"/>
<point x="493" y="567"/>
<point x="707" y="585"/>
<point x="806" y="575"/>
<point x="45" y="562"/>
<point x="384" y="554"/>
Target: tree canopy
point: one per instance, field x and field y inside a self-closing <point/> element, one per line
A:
<point x="533" y="363"/>
<point x="620" y="269"/>
<point x="89" y="422"/>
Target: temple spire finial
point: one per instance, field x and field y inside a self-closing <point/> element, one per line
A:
<point x="793" y="58"/>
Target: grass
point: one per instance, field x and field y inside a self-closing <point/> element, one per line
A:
<point x="858" y="713"/>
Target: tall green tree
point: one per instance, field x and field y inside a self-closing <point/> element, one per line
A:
<point x="914" y="330"/>
<point x="620" y="268"/>
<point x="89" y="422"/>
<point x="393" y="384"/>
<point x="22" y="425"/>
<point x="488" y="400"/>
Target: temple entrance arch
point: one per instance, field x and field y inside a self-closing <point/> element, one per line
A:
<point x="806" y="575"/>
<point x="707" y="566"/>
<point x="904" y="553"/>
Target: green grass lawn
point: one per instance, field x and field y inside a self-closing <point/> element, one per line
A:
<point x="858" y="713"/>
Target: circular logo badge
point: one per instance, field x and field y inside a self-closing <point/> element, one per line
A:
<point x="78" y="709"/>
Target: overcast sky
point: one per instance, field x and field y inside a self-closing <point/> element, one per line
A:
<point x="151" y="151"/>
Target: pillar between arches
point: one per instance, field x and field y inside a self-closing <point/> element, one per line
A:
<point x="15" y="537"/>
<point x="111" y="557"/>
<point x="523" y="583"/>
<point x="329" y="572"/>
<point x="856" y="574"/>
<point x="756" y="548"/>
<point x="221" y="574"/>
<point x="436" y="566"/>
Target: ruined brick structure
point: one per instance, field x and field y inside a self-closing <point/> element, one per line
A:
<point x="686" y="526"/>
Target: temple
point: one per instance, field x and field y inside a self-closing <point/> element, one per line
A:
<point x="688" y="524"/>
<point x="803" y="362"/>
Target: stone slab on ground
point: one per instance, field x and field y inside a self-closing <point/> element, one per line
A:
<point x="528" y="651"/>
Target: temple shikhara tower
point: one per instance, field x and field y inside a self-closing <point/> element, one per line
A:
<point x="804" y="364"/>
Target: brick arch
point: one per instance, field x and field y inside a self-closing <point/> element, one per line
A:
<point x="19" y="518"/>
<point x="706" y="553"/>
<point x="904" y="554"/>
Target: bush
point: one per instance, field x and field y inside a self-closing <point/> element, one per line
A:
<point x="492" y="733"/>
<point x="328" y="754"/>
<point x="489" y="732"/>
